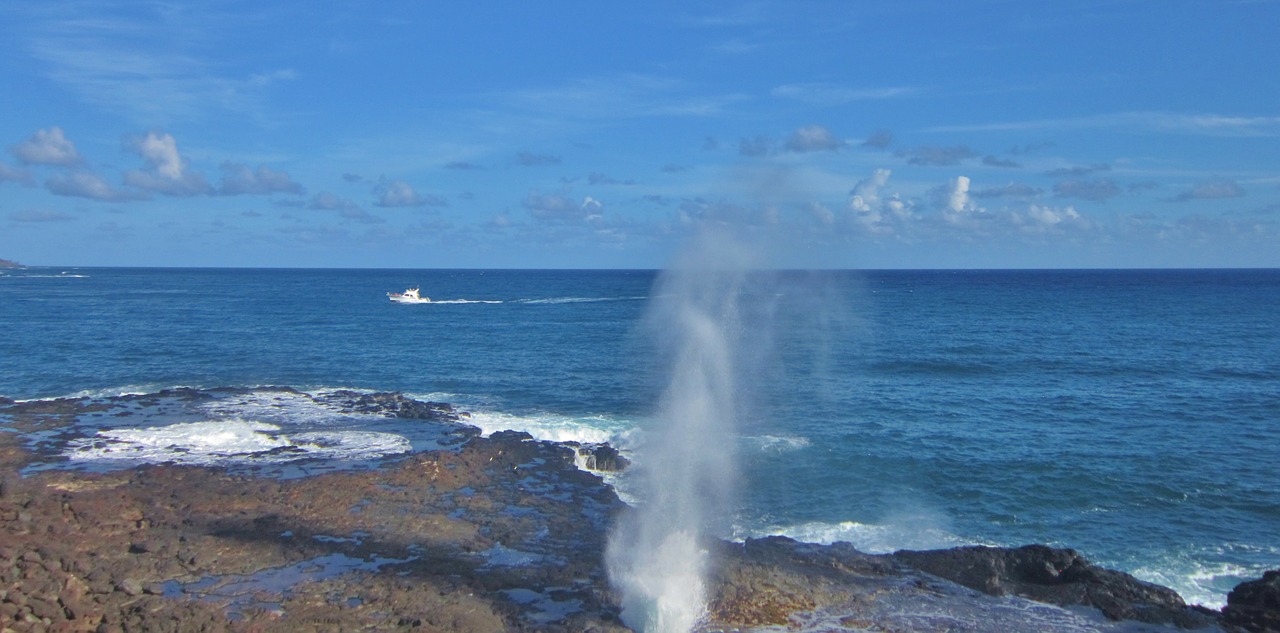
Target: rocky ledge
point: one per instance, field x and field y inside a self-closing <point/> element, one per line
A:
<point x="502" y="533"/>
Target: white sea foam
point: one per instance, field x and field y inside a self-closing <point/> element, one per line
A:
<point x="215" y="442"/>
<point x="281" y="407"/>
<point x="463" y="301"/>
<point x="777" y="443"/>
<point x="502" y="556"/>
<point x="869" y="538"/>
<point x="1203" y="577"/>
<point x="558" y="428"/>
<point x="562" y="300"/>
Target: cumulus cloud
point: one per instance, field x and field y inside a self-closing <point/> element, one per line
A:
<point x="530" y="159"/>
<point x="1098" y="190"/>
<point x="238" y="178"/>
<point x="166" y="170"/>
<point x="813" y="138"/>
<point x="48" y="147"/>
<point x="1212" y="189"/>
<point x="956" y="196"/>
<point x="398" y="193"/>
<point x="866" y="194"/>
<point x="9" y="173"/>
<point x="937" y="156"/>
<point x="327" y="201"/>
<point x="870" y="211"/>
<point x="83" y="184"/>
<point x="1043" y="219"/>
<point x="558" y="208"/>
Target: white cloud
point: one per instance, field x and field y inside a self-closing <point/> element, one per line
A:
<point x="820" y="213"/>
<point x="936" y="155"/>
<point x="813" y="138"/>
<point x="167" y="171"/>
<point x="1212" y="189"/>
<point x="398" y="193"/>
<point x="82" y="184"/>
<point x="48" y="147"/>
<point x="154" y="63"/>
<point x="621" y="96"/>
<point x="238" y="178"/>
<point x="825" y="94"/>
<point x="1040" y="219"/>
<point x="329" y="201"/>
<point x="559" y="208"/>
<point x="872" y="213"/>
<point x="958" y="195"/>
<point x="866" y="194"/>
<point x="347" y="209"/>
<point x="9" y="173"/>
<point x="1164" y="122"/>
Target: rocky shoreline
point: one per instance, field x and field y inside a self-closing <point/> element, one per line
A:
<point x="502" y="533"/>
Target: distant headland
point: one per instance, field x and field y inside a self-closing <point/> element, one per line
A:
<point x="4" y="263"/>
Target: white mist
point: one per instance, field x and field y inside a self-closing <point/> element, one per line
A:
<point x="658" y="556"/>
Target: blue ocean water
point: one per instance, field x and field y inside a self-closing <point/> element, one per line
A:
<point x="1131" y="415"/>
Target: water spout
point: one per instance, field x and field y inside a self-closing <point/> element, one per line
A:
<point x="658" y="554"/>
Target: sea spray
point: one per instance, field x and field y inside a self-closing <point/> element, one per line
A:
<point x="658" y="555"/>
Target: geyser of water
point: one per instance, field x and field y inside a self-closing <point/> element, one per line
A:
<point x="658" y="556"/>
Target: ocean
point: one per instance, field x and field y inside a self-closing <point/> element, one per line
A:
<point x="1131" y="415"/>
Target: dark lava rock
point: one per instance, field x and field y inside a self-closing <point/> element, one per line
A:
<point x="393" y="404"/>
<point x="1255" y="605"/>
<point x="603" y="457"/>
<point x="1056" y="576"/>
<point x="511" y="436"/>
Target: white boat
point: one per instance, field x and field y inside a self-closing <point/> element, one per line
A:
<point x="408" y="296"/>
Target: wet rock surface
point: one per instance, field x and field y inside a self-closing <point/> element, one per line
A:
<point x="1255" y="605"/>
<point x="491" y="534"/>
<point x="1057" y="576"/>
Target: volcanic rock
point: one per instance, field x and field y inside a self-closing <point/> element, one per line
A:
<point x="1056" y="576"/>
<point x="600" y="457"/>
<point x="487" y="534"/>
<point x="1255" y="605"/>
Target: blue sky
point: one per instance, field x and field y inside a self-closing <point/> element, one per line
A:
<point x="851" y="134"/>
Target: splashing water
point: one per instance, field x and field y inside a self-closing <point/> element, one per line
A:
<point x="658" y="556"/>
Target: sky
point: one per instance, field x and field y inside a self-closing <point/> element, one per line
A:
<point x="846" y="134"/>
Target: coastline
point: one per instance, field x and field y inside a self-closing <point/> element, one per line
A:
<point x="496" y="533"/>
